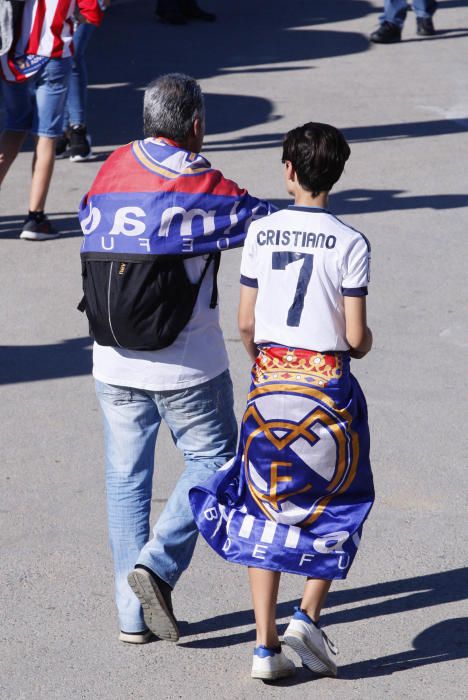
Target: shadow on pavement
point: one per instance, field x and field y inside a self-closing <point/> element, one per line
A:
<point x="147" y="49"/>
<point x="31" y="363"/>
<point x="444" y="641"/>
<point x="445" y="4"/>
<point x="361" y="201"/>
<point x="422" y="592"/>
<point x="67" y="223"/>
<point x="440" y="34"/>
<point x="355" y="134"/>
<point x="364" y="201"/>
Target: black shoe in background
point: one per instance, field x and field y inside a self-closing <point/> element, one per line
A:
<point x="387" y="33"/>
<point x="37" y="227"/>
<point x="62" y="144"/>
<point x="424" y="26"/>
<point x="80" y="144"/>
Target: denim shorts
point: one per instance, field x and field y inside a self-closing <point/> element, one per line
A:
<point x="37" y="105"/>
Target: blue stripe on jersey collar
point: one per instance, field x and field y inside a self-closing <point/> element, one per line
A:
<point x="312" y="210"/>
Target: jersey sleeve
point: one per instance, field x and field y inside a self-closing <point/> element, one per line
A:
<point x="91" y="11"/>
<point x="356" y="271"/>
<point x="248" y="271"/>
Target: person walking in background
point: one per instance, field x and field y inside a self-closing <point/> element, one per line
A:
<point x="300" y="488"/>
<point x="75" y="141"/>
<point x="393" y="19"/>
<point x="35" y="75"/>
<point x="161" y="358"/>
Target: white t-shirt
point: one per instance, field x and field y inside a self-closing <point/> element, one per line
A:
<point x="197" y="355"/>
<point x="304" y="261"/>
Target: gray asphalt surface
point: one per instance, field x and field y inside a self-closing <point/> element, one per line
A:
<point x="400" y="618"/>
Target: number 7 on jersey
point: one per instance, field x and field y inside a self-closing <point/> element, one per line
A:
<point x="279" y="261"/>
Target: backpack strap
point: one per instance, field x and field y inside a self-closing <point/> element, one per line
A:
<point x="205" y="269"/>
<point x="214" y="258"/>
<point x="214" y="292"/>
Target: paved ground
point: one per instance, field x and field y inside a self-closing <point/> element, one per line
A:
<point x="399" y="619"/>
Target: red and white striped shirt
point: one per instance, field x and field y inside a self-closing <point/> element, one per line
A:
<point x="45" y="30"/>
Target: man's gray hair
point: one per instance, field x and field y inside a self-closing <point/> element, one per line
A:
<point x="171" y="104"/>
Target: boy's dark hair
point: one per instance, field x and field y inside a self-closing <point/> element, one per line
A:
<point x="318" y="153"/>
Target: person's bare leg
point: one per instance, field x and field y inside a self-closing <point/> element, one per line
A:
<point x="43" y="167"/>
<point x="34" y="158"/>
<point x="313" y="599"/>
<point x="10" y="144"/>
<point x="264" y="587"/>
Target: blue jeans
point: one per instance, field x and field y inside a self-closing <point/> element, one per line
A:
<point x="75" y="112"/>
<point x="202" y="422"/>
<point x="395" y="10"/>
<point x="37" y="105"/>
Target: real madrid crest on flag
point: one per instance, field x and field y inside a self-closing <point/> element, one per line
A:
<point x="300" y="487"/>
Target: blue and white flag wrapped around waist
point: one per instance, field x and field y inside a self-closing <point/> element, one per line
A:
<point x="297" y="493"/>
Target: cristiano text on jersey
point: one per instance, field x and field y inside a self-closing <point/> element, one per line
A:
<point x="297" y="239"/>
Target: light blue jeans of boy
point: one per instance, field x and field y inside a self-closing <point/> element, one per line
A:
<point x="395" y="10"/>
<point x="202" y="422"/>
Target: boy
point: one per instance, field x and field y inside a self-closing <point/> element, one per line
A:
<point x="297" y="494"/>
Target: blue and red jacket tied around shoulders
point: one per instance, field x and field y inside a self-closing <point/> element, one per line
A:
<point x="153" y="198"/>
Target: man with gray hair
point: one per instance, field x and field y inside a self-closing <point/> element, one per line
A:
<point x="155" y="222"/>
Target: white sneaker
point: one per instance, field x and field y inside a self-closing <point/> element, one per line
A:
<point x="136" y="637"/>
<point x="311" y="644"/>
<point x="271" y="664"/>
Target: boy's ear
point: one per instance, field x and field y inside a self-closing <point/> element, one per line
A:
<point x="290" y="172"/>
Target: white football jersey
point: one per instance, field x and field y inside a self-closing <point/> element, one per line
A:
<point x="304" y="261"/>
